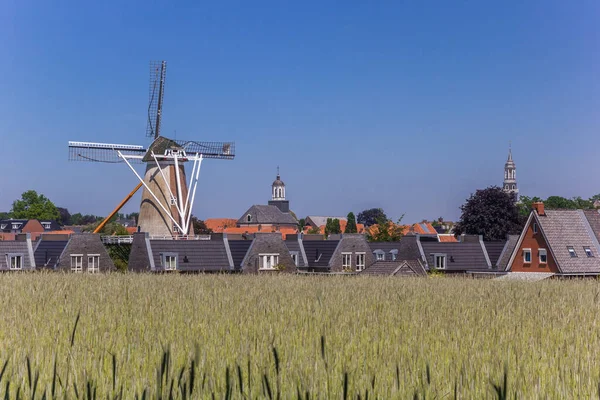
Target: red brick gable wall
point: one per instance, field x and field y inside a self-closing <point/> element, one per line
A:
<point x="533" y="241"/>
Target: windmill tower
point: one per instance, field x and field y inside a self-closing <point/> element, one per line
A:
<point x="167" y="199"/>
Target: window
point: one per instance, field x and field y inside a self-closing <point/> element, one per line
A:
<point x="572" y="251"/>
<point x="173" y="200"/>
<point x="249" y="218"/>
<point x="346" y="261"/>
<point x="3" y="226"/>
<point x="514" y="187"/>
<point x="360" y="261"/>
<point x="93" y="263"/>
<point x="76" y="262"/>
<point x="535" y="228"/>
<point x="394" y="254"/>
<point x="527" y="256"/>
<point x="16" y="226"/>
<point x="46" y="225"/>
<point x="379" y="255"/>
<point x="269" y="261"/>
<point x="588" y="251"/>
<point x="439" y="261"/>
<point x="170" y="261"/>
<point x="15" y="261"/>
<point x="543" y="256"/>
<point x="176" y="229"/>
<point x="294" y="255"/>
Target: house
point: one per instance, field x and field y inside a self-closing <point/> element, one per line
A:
<point x="84" y="252"/>
<point x="401" y="258"/>
<point x="467" y="255"/>
<point x="268" y="253"/>
<point x="9" y="228"/>
<point x="48" y="250"/>
<point x="560" y="242"/>
<point x="17" y="255"/>
<point x="164" y="255"/>
<point x="218" y="225"/>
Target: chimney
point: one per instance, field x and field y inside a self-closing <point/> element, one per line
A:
<point x="538" y="206"/>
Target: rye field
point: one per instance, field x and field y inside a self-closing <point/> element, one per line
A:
<point x="222" y="336"/>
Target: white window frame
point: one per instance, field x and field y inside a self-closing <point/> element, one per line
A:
<point x="94" y="266"/>
<point x="295" y="256"/>
<point x="15" y="256"/>
<point x="394" y="255"/>
<point x="176" y="229"/>
<point x="379" y="255"/>
<point x="525" y="252"/>
<point x="346" y="261"/>
<point x="572" y="251"/>
<point x="248" y="218"/>
<point x="173" y="200"/>
<point x="170" y="261"/>
<point x="268" y="261"/>
<point x="588" y="251"/>
<point x="3" y="226"/>
<point x="16" y="225"/>
<point x="439" y="261"/>
<point x="361" y="261"/>
<point x="76" y="262"/>
<point x="543" y="252"/>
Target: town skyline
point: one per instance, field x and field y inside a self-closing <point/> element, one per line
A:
<point x="387" y="111"/>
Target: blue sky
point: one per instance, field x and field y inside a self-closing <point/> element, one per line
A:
<point x="408" y="106"/>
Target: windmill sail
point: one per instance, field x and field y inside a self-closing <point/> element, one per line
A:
<point x="158" y="71"/>
<point x="104" y="152"/>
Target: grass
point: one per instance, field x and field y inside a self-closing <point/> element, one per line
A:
<point x="172" y="336"/>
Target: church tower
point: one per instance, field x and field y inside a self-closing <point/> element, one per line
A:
<point x="278" y="195"/>
<point x="510" y="176"/>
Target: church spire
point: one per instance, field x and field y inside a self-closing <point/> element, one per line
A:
<point x="510" y="175"/>
<point x="278" y="188"/>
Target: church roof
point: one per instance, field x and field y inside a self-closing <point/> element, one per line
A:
<point x="261" y="214"/>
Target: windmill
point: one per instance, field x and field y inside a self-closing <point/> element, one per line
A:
<point x="167" y="199"/>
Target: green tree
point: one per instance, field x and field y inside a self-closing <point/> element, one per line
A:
<point x="301" y="224"/>
<point x="351" y="224"/>
<point x="332" y="226"/>
<point x="489" y="212"/>
<point x="200" y="227"/>
<point x="386" y="230"/>
<point x="4" y="215"/>
<point x="558" y="202"/>
<point x="371" y="216"/>
<point x="112" y="228"/>
<point x="315" y="230"/>
<point x="34" y="206"/>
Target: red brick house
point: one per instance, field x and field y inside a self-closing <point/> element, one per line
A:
<point x="562" y="242"/>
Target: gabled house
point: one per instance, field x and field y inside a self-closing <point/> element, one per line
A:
<point x="17" y="255"/>
<point x="401" y="258"/>
<point x="561" y="242"/>
<point x="165" y="255"/>
<point x="268" y="253"/>
<point x="84" y="252"/>
<point x="266" y="216"/>
<point x="318" y="252"/>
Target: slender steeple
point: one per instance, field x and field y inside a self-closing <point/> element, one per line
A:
<point x="510" y="175"/>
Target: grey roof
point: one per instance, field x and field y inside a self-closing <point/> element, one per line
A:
<point x="396" y="268"/>
<point x="563" y="228"/>
<point x="201" y="255"/>
<point x="294" y="246"/>
<point x="319" y="252"/>
<point x="593" y="217"/>
<point x="261" y="214"/>
<point x="267" y="243"/>
<point x="494" y="250"/>
<point x="238" y="249"/>
<point x="461" y="256"/>
<point x="320" y="221"/>
<point x="47" y="252"/>
<point x="14" y="247"/>
<point x="509" y="247"/>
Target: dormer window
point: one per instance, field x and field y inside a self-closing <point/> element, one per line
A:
<point x="439" y="261"/>
<point x="16" y="225"/>
<point x="46" y="225"/>
<point x="169" y="261"/>
<point x="379" y="255"/>
<point x="3" y="226"/>
<point x="249" y="218"/>
<point x="15" y="261"/>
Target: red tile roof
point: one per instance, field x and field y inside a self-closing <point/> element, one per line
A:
<point x="217" y="225"/>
